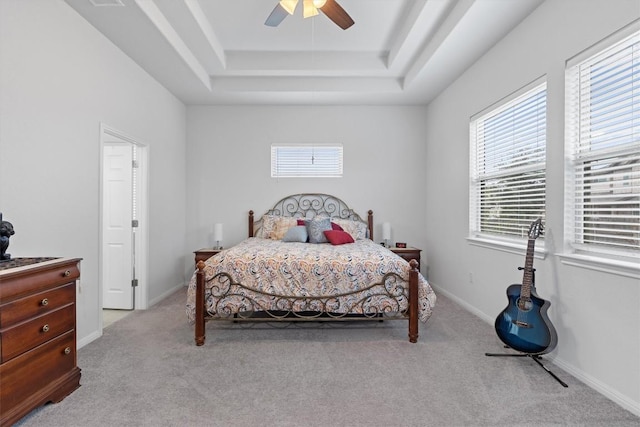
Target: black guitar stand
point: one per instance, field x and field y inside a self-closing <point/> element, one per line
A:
<point x="535" y="357"/>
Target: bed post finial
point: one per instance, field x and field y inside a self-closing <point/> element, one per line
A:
<point x="250" y="223"/>
<point x="370" y="223"/>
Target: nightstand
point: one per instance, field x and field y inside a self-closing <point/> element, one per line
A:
<point x="408" y="253"/>
<point x="204" y="254"/>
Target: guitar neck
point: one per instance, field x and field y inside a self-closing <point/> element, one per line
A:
<point x="527" y="277"/>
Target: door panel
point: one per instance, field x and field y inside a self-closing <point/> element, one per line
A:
<point x="118" y="233"/>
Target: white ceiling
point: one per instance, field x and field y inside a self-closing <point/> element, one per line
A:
<point x="402" y="52"/>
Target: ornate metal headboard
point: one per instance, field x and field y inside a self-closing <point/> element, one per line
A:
<point x="309" y="205"/>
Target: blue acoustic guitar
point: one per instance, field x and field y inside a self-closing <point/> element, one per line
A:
<point x="524" y="325"/>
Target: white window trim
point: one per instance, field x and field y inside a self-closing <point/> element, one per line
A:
<point x="604" y="265"/>
<point x="476" y="238"/>
<point x="302" y="173"/>
<point x="575" y="254"/>
<point x="512" y="247"/>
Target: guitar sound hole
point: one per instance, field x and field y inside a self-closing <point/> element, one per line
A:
<point x="525" y="304"/>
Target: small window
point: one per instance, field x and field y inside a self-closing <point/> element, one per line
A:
<point x="508" y="165"/>
<point x="602" y="200"/>
<point x="306" y="160"/>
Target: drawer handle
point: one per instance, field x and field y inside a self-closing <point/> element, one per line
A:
<point x="45" y="328"/>
<point x="67" y="273"/>
<point x="67" y="350"/>
<point x="44" y="302"/>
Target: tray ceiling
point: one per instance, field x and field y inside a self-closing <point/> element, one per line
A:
<point x="401" y="52"/>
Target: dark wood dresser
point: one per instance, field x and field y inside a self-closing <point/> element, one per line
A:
<point x="38" y="361"/>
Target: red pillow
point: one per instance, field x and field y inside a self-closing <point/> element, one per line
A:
<point x="338" y="237"/>
<point x="300" y="221"/>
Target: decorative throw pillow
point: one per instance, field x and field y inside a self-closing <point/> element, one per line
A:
<point x="268" y="222"/>
<point x="296" y="234"/>
<point x="275" y="227"/>
<point x="337" y="237"/>
<point x="316" y="228"/>
<point x="282" y="226"/>
<point x="357" y="229"/>
<point x="335" y="226"/>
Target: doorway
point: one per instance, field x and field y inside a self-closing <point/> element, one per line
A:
<point x="123" y="224"/>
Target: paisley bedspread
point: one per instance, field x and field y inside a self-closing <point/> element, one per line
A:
<point x="274" y="274"/>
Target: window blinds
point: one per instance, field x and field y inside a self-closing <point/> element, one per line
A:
<point x="508" y="162"/>
<point x="301" y="160"/>
<point x="603" y="141"/>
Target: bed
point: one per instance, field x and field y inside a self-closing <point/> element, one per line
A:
<point x="309" y="258"/>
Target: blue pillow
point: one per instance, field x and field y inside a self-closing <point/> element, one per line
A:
<point x="296" y="234"/>
<point x="316" y="228"/>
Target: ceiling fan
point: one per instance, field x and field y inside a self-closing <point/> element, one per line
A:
<point x="331" y="8"/>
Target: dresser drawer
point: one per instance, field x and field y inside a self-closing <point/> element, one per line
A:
<point x="44" y="364"/>
<point x="26" y="335"/>
<point x="36" y="304"/>
<point x="17" y="283"/>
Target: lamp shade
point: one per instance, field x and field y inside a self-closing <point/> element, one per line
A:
<point x="217" y="232"/>
<point x="386" y="231"/>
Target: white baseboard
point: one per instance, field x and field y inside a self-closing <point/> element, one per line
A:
<point x="88" y="339"/>
<point x="165" y="294"/>
<point x="97" y="334"/>
<point x="600" y="387"/>
<point x="473" y="310"/>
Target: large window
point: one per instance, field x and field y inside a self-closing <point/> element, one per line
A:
<point x="603" y="146"/>
<point x="306" y="160"/>
<point x="508" y="153"/>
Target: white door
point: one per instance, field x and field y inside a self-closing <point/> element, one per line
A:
<point x="117" y="265"/>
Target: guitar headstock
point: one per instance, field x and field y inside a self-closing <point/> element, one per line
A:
<point x="536" y="228"/>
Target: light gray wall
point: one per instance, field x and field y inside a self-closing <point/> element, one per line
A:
<point x="59" y="78"/>
<point x="596" y="314"/>
<point x="229" y="165"/>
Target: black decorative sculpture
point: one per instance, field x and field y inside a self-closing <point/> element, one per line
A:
<point x="6" y="231"/>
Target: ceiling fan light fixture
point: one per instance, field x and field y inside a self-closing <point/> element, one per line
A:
<point x="309" y="9"/>
<point x="330" y="8"/>
<point x="289" y="5"/>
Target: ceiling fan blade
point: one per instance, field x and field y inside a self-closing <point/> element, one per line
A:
<point x="277" y="16"/>
<point x="337" y="14"/>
